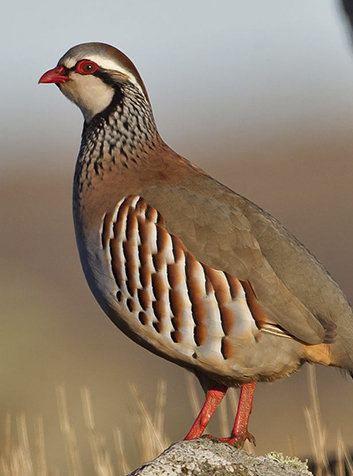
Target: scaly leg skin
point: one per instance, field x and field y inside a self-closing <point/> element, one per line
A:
<point x="214" y="397"/>
<point x="240" y="430"/>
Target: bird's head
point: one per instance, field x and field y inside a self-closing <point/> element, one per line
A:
<point x="93" y="75"/>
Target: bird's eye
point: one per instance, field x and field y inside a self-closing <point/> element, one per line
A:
<point x="86" y="67"/>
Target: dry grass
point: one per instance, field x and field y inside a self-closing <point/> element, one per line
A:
<point x="318" y="436"/>
<point x="19" y="458"/>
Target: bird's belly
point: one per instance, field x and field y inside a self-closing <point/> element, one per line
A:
<point x="158" y="294"/>
<point x="245" y="358"/>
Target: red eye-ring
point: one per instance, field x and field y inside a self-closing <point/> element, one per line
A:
<point x="86" y="67"/>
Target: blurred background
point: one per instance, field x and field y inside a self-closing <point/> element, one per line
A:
<point x="260" y="95"/>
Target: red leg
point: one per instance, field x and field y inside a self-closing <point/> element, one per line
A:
<point x="240" y="430"/>
<point x="213" y="399"/>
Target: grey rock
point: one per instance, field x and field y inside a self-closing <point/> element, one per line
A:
<point x="207" y="457"/>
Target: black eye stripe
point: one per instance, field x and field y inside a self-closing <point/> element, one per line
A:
<point x="105" y="76"/>
<point x="100" y="73"/>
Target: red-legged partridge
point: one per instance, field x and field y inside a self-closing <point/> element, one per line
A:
<point x="180" y="263"/>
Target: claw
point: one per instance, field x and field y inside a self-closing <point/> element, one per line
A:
<point x="236" y="440"/>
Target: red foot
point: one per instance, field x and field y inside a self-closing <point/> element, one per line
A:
<point x="236" y="441"/>
<point x="240" y="430"/>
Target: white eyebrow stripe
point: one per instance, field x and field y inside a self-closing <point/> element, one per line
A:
<point x="104" y="63"/>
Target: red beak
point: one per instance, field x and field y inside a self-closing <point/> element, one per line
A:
<point x="55" y="75"/>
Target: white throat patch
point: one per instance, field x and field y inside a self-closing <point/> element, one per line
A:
<point x="90" y="94"/>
